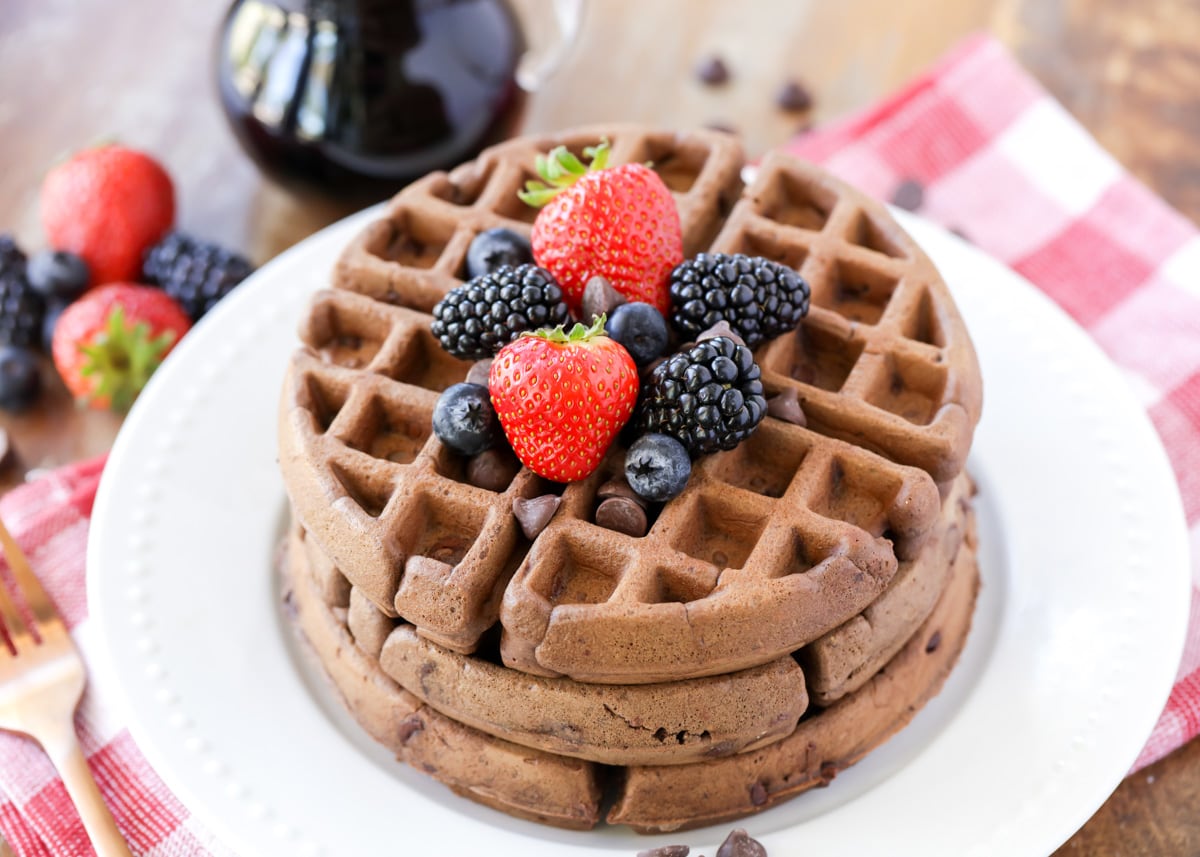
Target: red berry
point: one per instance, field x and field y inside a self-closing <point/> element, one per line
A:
<point x="108" y="343"/>
<point x="616" y="222"/>
<point x="562" y="398"/>
<point x="107" y="205"/>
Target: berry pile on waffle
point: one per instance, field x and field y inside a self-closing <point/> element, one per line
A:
<point x="617" y="483"/>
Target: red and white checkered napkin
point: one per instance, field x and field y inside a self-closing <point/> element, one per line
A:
<point x="1001" y="162"/>
<point x="49" y="518"/>
<point x="997" y="159"/>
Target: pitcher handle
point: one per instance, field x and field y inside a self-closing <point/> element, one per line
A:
<point x="539" y="62"/>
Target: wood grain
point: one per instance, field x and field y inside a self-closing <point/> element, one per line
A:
<point x="140" y="71"/>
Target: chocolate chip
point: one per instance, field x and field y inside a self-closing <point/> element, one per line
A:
<point x="599" y="298"/>
<point x="290" y="607"/>
<point x="739" y="844"/>
<point x="492" y="469"/>
<point x="828" y="772"/>
<point x="623" y="515"/>
<point x="758" y="794"/>
<point x="712" y="71"/>
<point x="408" y="727"/>
<point x="478" y="373"/>
<point x="666" y="851"/>
<point x="793" y="97"/>
<point x="909" y="195"/>
<point x="618" y="487"/>
<point x="786" y="407"/>
<point x="721" y="328"/>
<point x="723" y="127"/>
<point x="534" y="514"/>
<point x="934" y="642"/>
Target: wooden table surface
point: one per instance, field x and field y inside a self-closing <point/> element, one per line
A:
<point x="76" y="71"/>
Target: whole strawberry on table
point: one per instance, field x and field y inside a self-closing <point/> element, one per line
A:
<point x="126" y="283"/>
<point x="662" y="358"/>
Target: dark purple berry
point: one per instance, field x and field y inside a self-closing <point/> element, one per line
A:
<point x="465" y="420"/>
<point x="758" y="298"/>
<point x="21" y="308"/>
<point x="20" y="378"/>
<point x="657" y="467"/>
<point x="709" y="397"/>
<point x="195" y="273"/>
<point x="475" y="320"/>
<point x="495" y="247"/>
<point x="58" y="276"/>
<point x="49" y="322"/>
<point x="641" y="329"/>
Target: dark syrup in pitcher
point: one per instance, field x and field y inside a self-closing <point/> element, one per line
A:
<point x="359" y="97"/>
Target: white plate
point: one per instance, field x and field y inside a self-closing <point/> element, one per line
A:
<point x="1074" y="648"/>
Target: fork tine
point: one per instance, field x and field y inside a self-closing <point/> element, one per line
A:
<point x="12" y="623"/>
<point x="45" y="617"/>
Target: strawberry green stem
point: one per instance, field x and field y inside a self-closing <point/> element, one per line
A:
<point x="576" y="335"/>
<point x="559" y="170"/>
<point x="122" y="358"/>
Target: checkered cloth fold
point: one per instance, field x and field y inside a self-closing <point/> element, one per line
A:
<point x="970" y="143"/>
<point x="976" y="145"/>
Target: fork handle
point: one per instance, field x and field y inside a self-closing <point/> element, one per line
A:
<point x="85" y="794"/>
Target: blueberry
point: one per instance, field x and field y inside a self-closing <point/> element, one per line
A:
<point x="20" y="379"/>
<point x="641" y="329"/>
<point x="495" y="247"/>
<point x="58" y="275"/>
<point x="49" y="322"/>
<point x="657" y="467"/>
<point x="465" y="420"/>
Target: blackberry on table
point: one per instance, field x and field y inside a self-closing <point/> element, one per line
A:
<point x="709" y="397"/>
<point x="11" y="256"/>
<point x="20" y="380"/>
<point x="480" y="317"/>
<point x="21" y="307"/>
<point x="759" y="299"/>
<point x="195" y="273"/>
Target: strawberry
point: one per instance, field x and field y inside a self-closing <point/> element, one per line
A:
<point x="108" y="343"/>
<point x="107" y="205"/>
<point x="562" y="397"/>
<point x="616" y="222"/>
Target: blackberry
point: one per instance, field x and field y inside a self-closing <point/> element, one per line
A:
<point x="11" y="256"/>
<point x="20" y="380"/>
<point x="708" y="397"/>
<point x="195" y="273"/>
<point x="760" y="299"/>
<point x="480" y="317"/>
<point x="21" y="307"/>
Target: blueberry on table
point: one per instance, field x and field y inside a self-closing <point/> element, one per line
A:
<point x="20" y="380"/>
<point x="495" y="247"/>
<point x="49" y="322"/>
<point x="657" y="467"/>
<point x="641" y="329"/>
<point x="465" y="420"/>
<point x="58" y="275"/>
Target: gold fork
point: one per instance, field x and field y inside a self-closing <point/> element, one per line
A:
<point x="41" y="681"/>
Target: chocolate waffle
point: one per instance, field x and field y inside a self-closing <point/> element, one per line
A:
<point x="802" y="560"/>
<point x="566" y="791"/>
